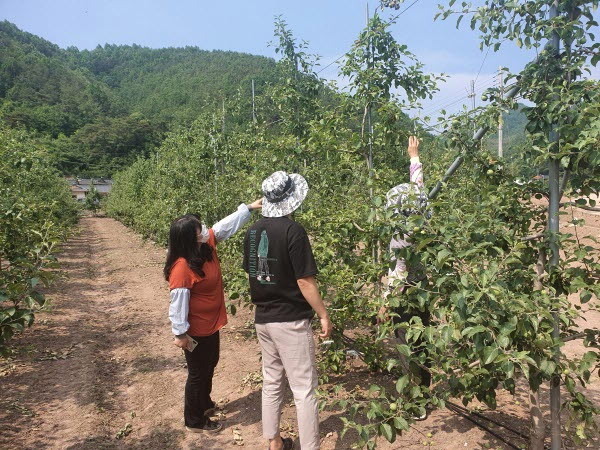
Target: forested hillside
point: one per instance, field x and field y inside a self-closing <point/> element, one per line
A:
<point x="41" y="90"/>
<point x="100" y="110"/>
<point x="174" y="84"/>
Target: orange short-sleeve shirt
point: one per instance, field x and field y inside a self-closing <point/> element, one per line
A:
<point x="207" y="313"/>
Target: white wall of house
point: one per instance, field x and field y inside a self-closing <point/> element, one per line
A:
<point x="80" y="187"/>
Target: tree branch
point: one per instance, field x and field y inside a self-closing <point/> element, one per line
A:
<point x="533" y="237"/>
<point x="574" y="337"/>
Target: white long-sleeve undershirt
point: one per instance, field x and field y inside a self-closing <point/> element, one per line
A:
<point x="178" y="310"/>
<point x="228" y="226"/>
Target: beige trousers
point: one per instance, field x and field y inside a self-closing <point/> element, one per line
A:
<point x="288" y="348"/>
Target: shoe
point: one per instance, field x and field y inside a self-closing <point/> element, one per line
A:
<point x="288" y="443"/>
<point x="210" y="426"/>
<point x="211" y="410"/>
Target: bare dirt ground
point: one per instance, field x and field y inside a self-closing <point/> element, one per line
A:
<point x="98" y="369"/>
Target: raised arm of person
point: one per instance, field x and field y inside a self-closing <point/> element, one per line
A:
<point x="310" y="290"/>
<point x="228" y="226"/>
<point x="398" y="275"/>
<point x="416" y="168"/>
<point x="416" y="176"/>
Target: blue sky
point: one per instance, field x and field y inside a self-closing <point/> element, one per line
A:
<point x="330" y="26"/>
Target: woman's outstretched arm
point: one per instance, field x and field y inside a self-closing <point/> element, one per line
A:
<point x="228" y="226"/>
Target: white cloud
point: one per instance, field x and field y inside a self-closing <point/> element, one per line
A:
<point x="453" y="96"/>
<point x="436" y="59"/>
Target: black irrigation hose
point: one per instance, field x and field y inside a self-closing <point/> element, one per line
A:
<point x="459" y="409"/>
<point x="482" y="426"/>
<point x="495" y="422"/>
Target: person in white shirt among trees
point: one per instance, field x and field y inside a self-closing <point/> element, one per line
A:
<point x="407" y="199"/>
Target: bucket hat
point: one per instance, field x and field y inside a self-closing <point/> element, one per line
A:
<point x="407" y="199"/>
<point x="283" y="193"/>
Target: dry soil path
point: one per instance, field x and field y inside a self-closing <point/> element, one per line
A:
<point x="99" y="371"/>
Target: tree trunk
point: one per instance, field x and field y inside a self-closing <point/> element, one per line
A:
<point x="537" y="429"/>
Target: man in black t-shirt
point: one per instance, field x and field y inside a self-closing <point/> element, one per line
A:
<point x="281" y="268"/>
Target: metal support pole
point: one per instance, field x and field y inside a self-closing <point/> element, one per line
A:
<point x="369" y="116"/>
<point x="501" y="118"/>
<point x="370" y="127"/>
<point x="223" y="118"/>
<point x="297" y="104"/>
<point x="253" y="105"/>
<point x="553" y="229"/>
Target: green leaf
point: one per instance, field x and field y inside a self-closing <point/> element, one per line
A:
<point x="442" y="255"/>
<point x="38" y="297"/>
<point x="387" y="432"/>
<point x="403" y="349"/>
<point x="489" y="354"/>
<point x="503" y="341"/>
<point x="548" y="367"/>
<point x="585" y="296"/>
<point x="402" y="383"/>
<point x="374" y="388"/>
<point x="472" y="331"/>
<point x="401" y="424"/>
<point x="391" y="364"/>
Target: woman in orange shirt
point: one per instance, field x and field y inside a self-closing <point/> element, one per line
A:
<point x="197" y="309"/>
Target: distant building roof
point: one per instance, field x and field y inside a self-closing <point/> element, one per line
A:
<point x="73" y="181"/>
<point x="81" y="186"/>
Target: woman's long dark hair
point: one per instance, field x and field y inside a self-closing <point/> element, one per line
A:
<point x="183" y="243"/>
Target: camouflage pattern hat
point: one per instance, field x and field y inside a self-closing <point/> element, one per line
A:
<point x="283" y="193"/>
<point x="407" y="199"/>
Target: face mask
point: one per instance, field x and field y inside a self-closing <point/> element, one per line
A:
<point x="204" y="234"/>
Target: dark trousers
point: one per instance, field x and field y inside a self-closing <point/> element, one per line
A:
<point x="418" y="370"/>
<point x="201" y="365"/>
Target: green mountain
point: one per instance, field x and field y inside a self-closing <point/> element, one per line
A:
<point x="41" y="90"/>
<point x="101" y="109"/>
<point x="174" y="84"/>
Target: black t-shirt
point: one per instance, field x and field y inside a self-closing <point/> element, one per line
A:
<point x="276" y="254"/>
